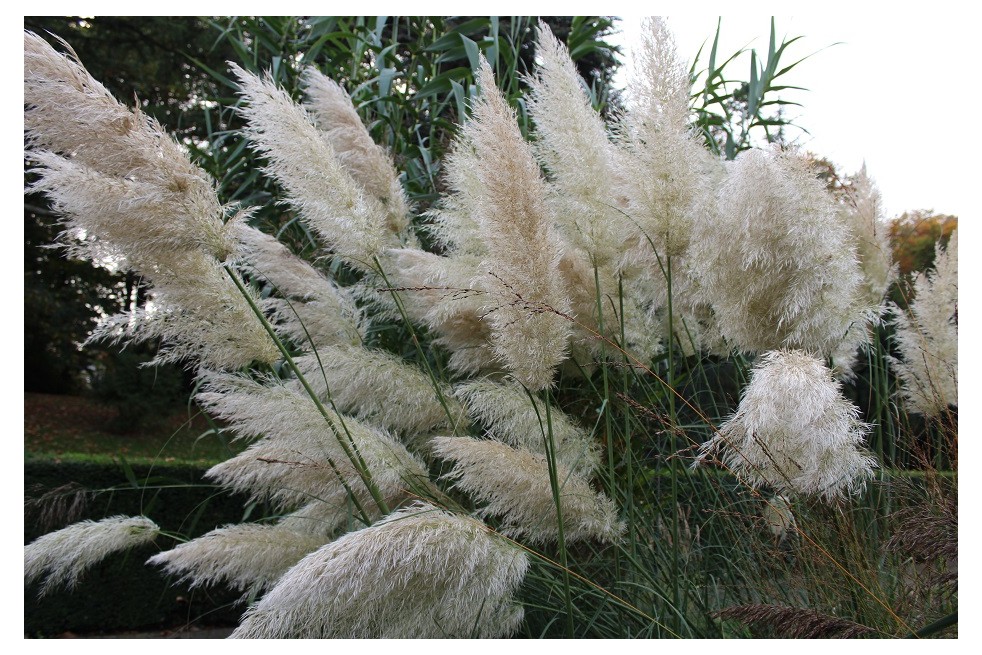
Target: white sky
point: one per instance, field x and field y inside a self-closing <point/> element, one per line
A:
<point x="894" y="93"/>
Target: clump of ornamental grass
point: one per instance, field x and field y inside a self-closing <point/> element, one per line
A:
<point x="592" y="248"/>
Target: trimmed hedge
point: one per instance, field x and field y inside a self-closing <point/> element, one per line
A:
<point x="122" y="593"/>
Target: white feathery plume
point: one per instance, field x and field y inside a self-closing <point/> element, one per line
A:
<point x="514" y="485"/>
<point x="775" y="259"/>
<point x="670" y="167"/>
<point x="420" y="573"/>
<point x="572" y="143"/>
<point x="438" y="292"/>
<point x="130" y="182"/>
<point x="928" y="337"/>
<point x="659" y="85"/>
<point x="378" y="387"/>
<point x="299" y="456"/>
<point x="240" y="556"/>
<point x="453" y="220"/>
<point x="862" y="212"/>
<point x="351" y="222"/>
<point x="62" y="556"/>
<point x="197" y="313"/>
<point x="864" y="215"/>
<point x="320" y="312"/>
<point x="526" y="306"/>
<point x="509" y="416"/>
<point x="794" y="431"/>
<point x="130" y="196"/>
<point x="368" y="163"/>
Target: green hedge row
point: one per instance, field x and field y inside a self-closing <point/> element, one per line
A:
<point x="122" y="593"/>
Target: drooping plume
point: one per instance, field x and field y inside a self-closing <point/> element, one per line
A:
<point x="794" y="431"/>
<point x="130" y="197"/>
<point x="127" y="180"/>
<point x="312" y="310"/>
<point x="62" y="556"/>
<point x="509" y="416"/>
<point x="420" y="573"/>
<point x="514" y="486"/>
<point x="380" y="388"/>
<point x="299" y="455"/>
<point x="240" y="556"/>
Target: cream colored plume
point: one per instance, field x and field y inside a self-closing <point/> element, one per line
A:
<point x="350" y="221"/>
<point x="514" y="486"/>
<point x="775" y="259"/>
<point x="130" y="197"/>
<point x="420" y="573"/>
<point x="512" y="416"/>
<point x="439" y="292"/>
<point x="380" y="388"/>
<point x="60" y="557"/>
<point x="670" y="168"/>
<point x="313" y="310"/>
<point x="571" y="141"/>
<point x="526" y="304"/>
<point x="794" y="431"/>
<point x="299" y="455"/>
<point x="198" y="315"/>
<point x="240" y="556"/>
<point x="927" y="337"/>
<point x="120" y="175"/>
<point x="864" y="215"/>
<point x="369" y="164"/>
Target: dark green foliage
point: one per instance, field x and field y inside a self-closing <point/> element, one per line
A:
<point x="144" y="396"/>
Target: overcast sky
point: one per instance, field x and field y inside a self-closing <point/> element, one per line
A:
<point x="894" y="93"/>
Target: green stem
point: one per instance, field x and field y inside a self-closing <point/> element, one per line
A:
<point x="353" y="455"/>
<point x="673" y="422"/>
<point x="550" y="448"/>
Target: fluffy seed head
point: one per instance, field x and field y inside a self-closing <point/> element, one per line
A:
<point x="439" y="292"/>
<point x="367" y="163"/>
<point x="572" y="143"/>
<point x="111" y="171"/>
<point x="774" y="258"/>
<point x="525" y="296"/>
<point x="794" y="431"/>
<point x="351" y="222"/>
<point x="379" y="388"/>
<point x="240" y="556"/>
<point x="299" y="456"/>
<point x="62" y="556"/>
<point x="514" y="486"/>
<point x="928" y="337"/>
<point x="509" y="416"/>
<point x="420" y="573"/>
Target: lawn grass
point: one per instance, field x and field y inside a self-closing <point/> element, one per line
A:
<point x="77" y="428"/>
